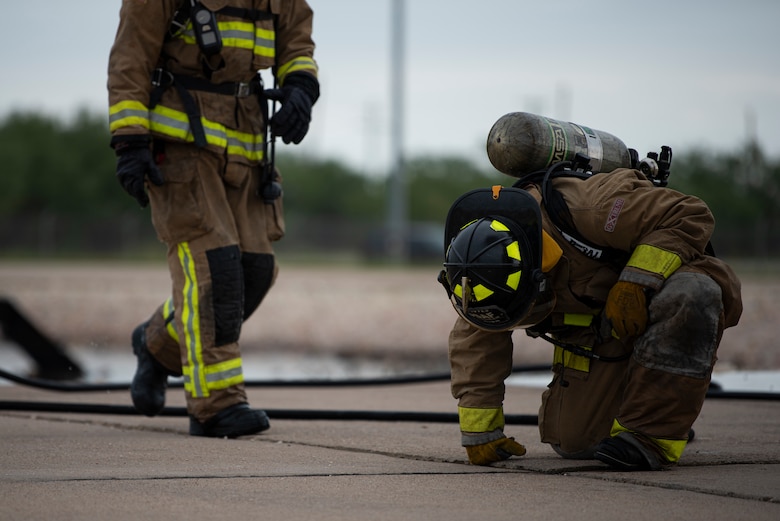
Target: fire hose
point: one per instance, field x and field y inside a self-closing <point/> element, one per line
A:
<point x="714" y="392"/>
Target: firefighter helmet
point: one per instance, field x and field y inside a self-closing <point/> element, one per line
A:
<point x="492" y="269"/>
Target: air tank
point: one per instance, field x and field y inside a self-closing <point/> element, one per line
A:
<point x="520" y="143"/>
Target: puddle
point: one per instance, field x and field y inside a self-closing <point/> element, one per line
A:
<point x="115" y="366"/>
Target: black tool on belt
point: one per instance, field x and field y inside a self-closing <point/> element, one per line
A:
<point x="270" y="189"/>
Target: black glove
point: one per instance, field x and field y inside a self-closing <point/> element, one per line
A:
<point x="133" y="165"/>
<point x="298" y="95"/>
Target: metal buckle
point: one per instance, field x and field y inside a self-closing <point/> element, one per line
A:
<point x="161" y="78"/>
<point x="243" y="89"/>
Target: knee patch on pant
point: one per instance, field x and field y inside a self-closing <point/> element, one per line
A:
<point x="227" y="282"/>
<point x="258" y="278"/>
<point x="684" y="328"/>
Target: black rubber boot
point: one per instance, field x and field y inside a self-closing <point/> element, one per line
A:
<point x="151" y="378"/>
<point x="625" y="452"/>
<point x="237" y="420"/>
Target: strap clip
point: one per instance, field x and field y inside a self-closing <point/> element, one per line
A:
<point x="162" y="78"/>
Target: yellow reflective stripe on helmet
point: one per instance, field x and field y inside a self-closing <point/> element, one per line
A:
<point x="481" y="292"/>
<point x="571" y="361"/>
<point x="480" y="420"/>
<point x="513" y="280"/>
<point x="655" y="260"/>
<point x="168" y="312"/>
<point x="468" y="224"/>
<point x="176" y="124"/>
<point x="498" y="226"/>
<point x="195" y="382"/>
<point x="513" y="251"/>
<point x="671" y="449"/>
<point x="302" y="63"/>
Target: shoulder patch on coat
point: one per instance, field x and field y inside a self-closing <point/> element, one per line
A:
<point x="613" y="215"/>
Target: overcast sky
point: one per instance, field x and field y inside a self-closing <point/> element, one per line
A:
<point x="682" y="73"/>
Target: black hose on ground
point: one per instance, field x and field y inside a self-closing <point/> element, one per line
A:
<point x="297" y="414"/>
<point x="351" y="382"/>
<point x="277" y="414"/>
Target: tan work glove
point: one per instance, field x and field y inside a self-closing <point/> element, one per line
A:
<point x="626" y="309"/>
<point x="491" y="452"/>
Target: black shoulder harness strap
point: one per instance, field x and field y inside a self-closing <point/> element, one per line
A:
<point x="162" y="79"/>
<point x="559" y="213"/>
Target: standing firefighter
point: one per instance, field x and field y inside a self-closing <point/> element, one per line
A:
<point x="188" y="114"/>
<point x="617" y="273"/>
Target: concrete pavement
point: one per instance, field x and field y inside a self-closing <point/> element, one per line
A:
<point x="60" y="465"/>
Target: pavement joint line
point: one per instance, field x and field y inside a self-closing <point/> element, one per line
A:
<point x="252" y="476"/>
<point x="677" y="486"/>
<point x="599" y="473"/>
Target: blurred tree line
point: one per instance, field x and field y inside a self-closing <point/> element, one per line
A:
<point x="60" y="196"/>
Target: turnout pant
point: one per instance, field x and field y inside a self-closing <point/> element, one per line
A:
<point x="656" y="393"/>
<point x="218" y="232"/>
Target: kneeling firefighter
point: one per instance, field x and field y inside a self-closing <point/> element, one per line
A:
<point x="188" y="116"/>
<point x="616" y="271"/>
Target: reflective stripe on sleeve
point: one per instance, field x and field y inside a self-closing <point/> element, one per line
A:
<point x="302" y="63"/>
<point x="480" y="420"/>
<point x="655" y="260"/>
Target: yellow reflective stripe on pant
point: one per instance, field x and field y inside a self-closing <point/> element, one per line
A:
<point x="671" y="449"/>
<point x="571" y="361"/>
<point x="480" y="420"/>
<point x="174" y="123"/>
<point x="168" y="312"/>
<point x="567" y="358"/>
<point x="194" y="370"/>
<point x="216" y="376"/>
<point x="199" y="378"/>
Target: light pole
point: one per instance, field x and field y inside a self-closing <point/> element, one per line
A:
<point x="397" y="205"/>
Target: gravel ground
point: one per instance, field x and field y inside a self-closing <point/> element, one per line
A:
<point x="377" y="313"/>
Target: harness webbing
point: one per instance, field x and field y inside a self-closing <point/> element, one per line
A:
<point x="559" y="213"/>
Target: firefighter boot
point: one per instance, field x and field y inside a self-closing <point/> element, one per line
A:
<point x="237" y="420"/>
<point x="151" y="378"/>
<point x="625" y="452"/>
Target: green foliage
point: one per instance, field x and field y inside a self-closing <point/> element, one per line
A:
<point x="724" y="182"/>
<point x="53" y="167"/>
<point x="327" y="189"/>
<point x="435" y="183"/>
<point x="55" y="172"/>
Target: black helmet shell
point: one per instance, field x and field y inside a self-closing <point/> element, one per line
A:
<point x="493" y="259"/>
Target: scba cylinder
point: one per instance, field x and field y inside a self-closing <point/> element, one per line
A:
<point x="521" y="143"/>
